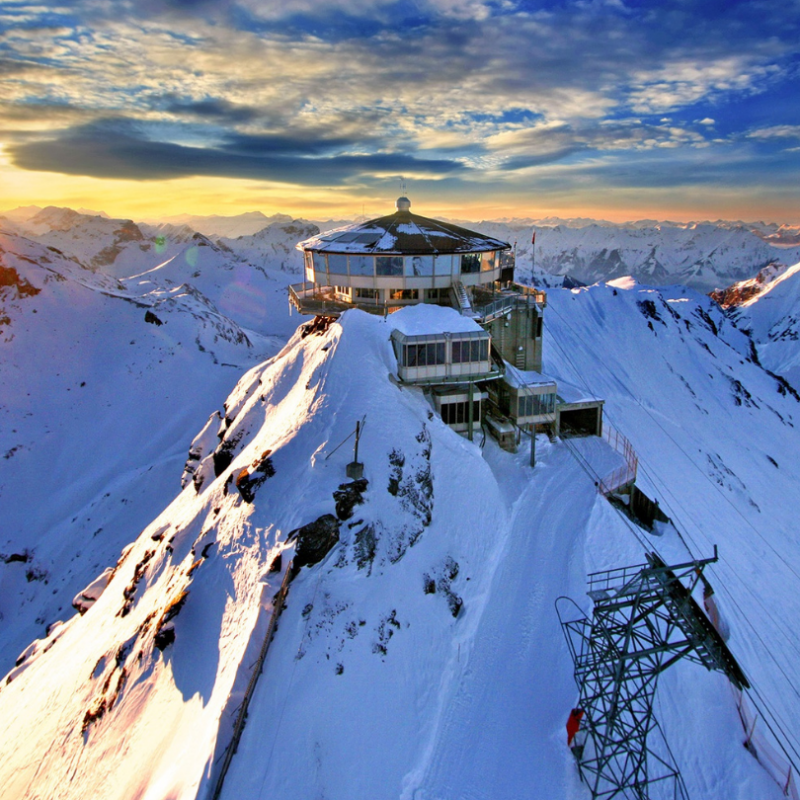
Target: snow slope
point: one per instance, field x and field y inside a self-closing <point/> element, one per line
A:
<point x="768" y="309"/>
<point x="422" y="657"/>
<point x="97" y="408"/>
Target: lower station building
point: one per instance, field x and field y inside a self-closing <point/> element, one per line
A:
<point x="480" y="367"/>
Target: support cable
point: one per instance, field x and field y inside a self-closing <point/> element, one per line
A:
<point x="766" y="708"/>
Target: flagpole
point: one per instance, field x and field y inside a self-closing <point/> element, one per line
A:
<point x="533" y="254"/>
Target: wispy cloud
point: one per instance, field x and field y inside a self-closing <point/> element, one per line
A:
<point x="491" y="90"/>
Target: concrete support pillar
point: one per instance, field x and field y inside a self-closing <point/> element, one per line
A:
<point x="470" y="410"/>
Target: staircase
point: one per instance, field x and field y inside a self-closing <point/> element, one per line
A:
<point x="462" y="300"/>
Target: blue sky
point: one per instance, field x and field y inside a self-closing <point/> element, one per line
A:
<point x="604" y="108"/>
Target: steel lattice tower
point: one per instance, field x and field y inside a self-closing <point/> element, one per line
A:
<point x="644" y="620"/>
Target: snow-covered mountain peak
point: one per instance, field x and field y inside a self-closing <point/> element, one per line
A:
<point x="419" y="653"/>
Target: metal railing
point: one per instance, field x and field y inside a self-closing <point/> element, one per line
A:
<point x="625" y="474"/>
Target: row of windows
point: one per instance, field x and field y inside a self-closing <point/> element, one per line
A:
<point x="424" y="355"/>
<point x="456" y="413"/>
<point x="470" y="350"/>
<point x="395" y="294"/>
<point x="536" y="404"/>
<point x="408" y="266"/>
<point x="432" y="353"/>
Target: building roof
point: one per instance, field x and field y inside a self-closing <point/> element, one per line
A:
<point x="402" y="233"/>
<point x="428" y="318"/>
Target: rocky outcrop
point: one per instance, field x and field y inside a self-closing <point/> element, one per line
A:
<point x="315" y="540"/>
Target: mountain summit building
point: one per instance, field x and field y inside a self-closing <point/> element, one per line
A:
<point x="487" y="357"/>
<point x="396" y="260"/>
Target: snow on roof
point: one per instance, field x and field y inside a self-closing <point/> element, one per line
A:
<point x="402" y="232"/>
<point x="427" y="318"/>
<point x="570" y="393"/>
<point x="521" y="379"/>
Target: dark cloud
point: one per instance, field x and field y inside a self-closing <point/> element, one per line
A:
<point x="211" y="108"/>
<point x="115" y="149"/>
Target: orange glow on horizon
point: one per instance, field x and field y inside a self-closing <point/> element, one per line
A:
<point x="202" y="196"/>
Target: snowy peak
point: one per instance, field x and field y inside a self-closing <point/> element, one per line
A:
<point x="229" y="226"/>
<point x="768" y="307"/>
<point x="274" y="245"/>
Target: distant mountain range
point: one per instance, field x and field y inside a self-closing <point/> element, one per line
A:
<point x="703" y="255"/>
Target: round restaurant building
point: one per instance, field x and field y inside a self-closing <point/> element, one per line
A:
<point x="397" y="260"/>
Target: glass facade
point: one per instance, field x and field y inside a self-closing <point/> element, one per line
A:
<point x="458" y="413"/>
<point x="470" y="263"/>
<point x="404" y="294"/>
<point x="337" y="264"/>
<point x="443" y="265"/>
<point x="424" y="355"/>
<point x="419" y="266"/>
<point x="470" y="350"/>
<point x="389" y="265"/>
<point x="536" y="404"/>
<point x="362" y="265"/>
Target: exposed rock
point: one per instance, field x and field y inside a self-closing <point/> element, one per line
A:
<point x="150" y="317"/>
<point x="348" y="496"/>
<point x="315" y="540"/>
<point x="249" y="479"/>
<point x="10" y="277"/>
<point x="164" y="638"/>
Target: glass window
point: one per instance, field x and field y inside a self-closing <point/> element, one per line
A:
<point x="337" y="263"/>
<point x="362" y="265"/>
<point x="487" y="261"/>
<point x="443" y="265"/>
<point x="320" y="267"/>
<point x="371" y="294"/>
<point x="458" y="413"/>
<point x="418" y="266"/>
<point x="411" y="355"/>
<point x="389" y="265"/>
<point x="470" y="350"/>
<point x="470" y="262"/>
<point x="404" y="294"/>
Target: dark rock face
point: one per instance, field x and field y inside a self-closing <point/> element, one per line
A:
<point x="315" y="540"/>
<point x="318" y="326"/>
<point x="10" y="277"/>
<point x="348" y="496"/>
<point x="164" y="638"/>
<point x="224" y="454"/>
<point x="150" y="317"/>
<point x="247" y="482"/>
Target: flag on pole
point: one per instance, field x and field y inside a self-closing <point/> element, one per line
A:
<point x="533" y="240"/>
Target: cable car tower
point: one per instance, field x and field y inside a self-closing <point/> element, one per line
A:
<point x="644" y="620"/>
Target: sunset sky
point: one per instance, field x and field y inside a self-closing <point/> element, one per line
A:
<point x="604" y="108"/>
